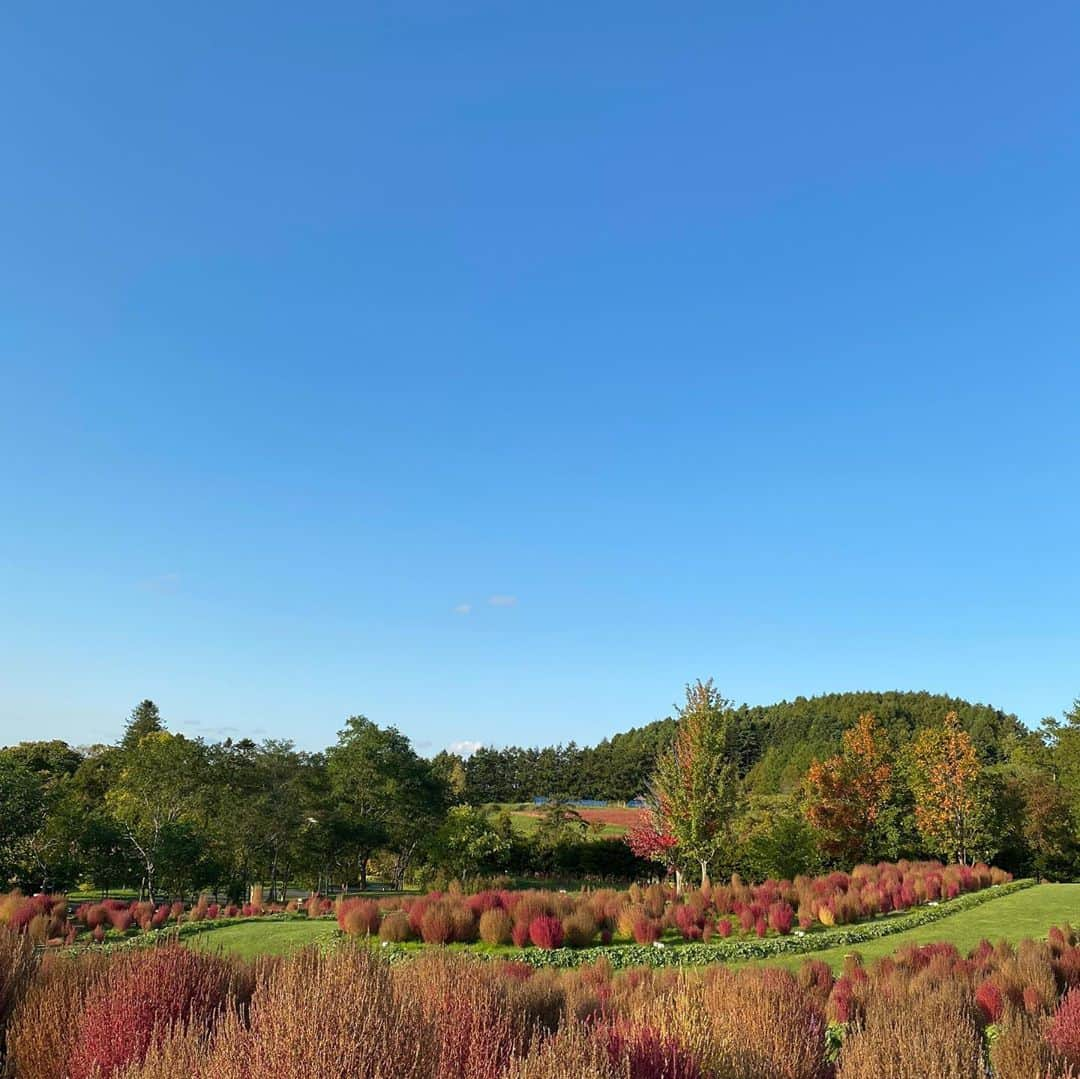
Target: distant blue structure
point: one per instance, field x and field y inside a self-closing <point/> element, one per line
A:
<point x="637" y="803"/>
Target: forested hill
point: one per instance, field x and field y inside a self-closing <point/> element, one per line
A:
<point x="777" y="743"/>
<point x="780" y="740"/>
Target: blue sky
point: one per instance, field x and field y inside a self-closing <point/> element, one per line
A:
<point x="495" y="369"/>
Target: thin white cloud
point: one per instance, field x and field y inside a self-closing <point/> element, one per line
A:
<point x="465" y="748"/>
<point x="463" y="608"/>
<point x="502" y="601"/>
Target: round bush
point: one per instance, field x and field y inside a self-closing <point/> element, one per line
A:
<point x="546" y="931"/>
<point x="395" y="927"/>
<point x="496" y="926"/>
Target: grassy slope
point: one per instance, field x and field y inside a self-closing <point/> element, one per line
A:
<point x="527" y="823"/>
<point x="1029" y="913"/>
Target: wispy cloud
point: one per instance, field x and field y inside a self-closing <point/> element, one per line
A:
<point x="500" y="600"/>
<point x="463" y="608"/>
<point x="164" y="584"/>
<point x="465" y="748"/>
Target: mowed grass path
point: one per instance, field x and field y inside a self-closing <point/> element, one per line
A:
<point x="1028" y="913"/>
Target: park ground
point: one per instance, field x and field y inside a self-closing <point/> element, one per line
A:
<point x="610" y="822"/>
<point x="1028" y="913"/>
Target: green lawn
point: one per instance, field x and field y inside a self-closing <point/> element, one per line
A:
<point x="248" y="939"/>
<point x="1028" y="913"/>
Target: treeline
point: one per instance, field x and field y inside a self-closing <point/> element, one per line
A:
<point x="776" y="744"/>
<point x="161" y="812"/>
<point x="166" y="814"/>
<point x="615" y="770"/>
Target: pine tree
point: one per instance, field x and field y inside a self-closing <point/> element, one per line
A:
<point x="145" y="719"/>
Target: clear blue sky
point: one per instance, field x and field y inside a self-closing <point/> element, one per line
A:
<point x="494" y="369"/>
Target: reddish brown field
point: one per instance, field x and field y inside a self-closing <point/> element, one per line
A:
<point x="614" y="816"/>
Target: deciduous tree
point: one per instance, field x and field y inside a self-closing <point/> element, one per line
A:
<point x="950" y="804"/>
<point x="385" y="794"/>
<point x="159" y="786"/>
<point x="844" y="795"/>
<point x="696" y="786"/>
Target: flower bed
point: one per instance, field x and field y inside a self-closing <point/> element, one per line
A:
<point x="732" y="921"/>
<point x="736" y="911"/>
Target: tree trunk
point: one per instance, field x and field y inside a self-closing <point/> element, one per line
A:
<point x="704" y="873"/>
<point x="678" y="882"/>
<point x="273" y="876"/>
<point x="363" y="873"/>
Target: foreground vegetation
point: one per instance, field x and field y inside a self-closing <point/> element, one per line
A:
<point x="1013" y="1013"/>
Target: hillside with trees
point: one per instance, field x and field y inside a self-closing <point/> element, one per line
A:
<point x="776" y="744"/>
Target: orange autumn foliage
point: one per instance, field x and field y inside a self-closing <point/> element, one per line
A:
<point x="845" y="794"/>
<point x="944" y="781"/>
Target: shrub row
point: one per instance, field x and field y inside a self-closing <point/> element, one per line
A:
<point x="645" y="915"/>
<point x="735" y="951"/>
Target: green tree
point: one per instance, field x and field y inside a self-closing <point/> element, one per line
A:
<point x="696" y="785"/>
<point x="1049" y="829"/>
<point x="450" y="768"/>
<point x="22" y="812"/>
<point x="467" y="842"/>
<point x="384" y="794"/>
<point x="559" y="823"/>
<point x="144" y="719"/>
<point x="161" y="783"/>
<point x="781" y="846"/>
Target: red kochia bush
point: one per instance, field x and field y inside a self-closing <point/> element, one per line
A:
<point x="142" y="996"/>
<point x="358" y="917"/>
<point x="120" y="919"/>
<point x="645" y="930"/>
<point x="546" y="931"/>
<point x="437" y="925"/>
<point x="643" y="1053"/>
<point x="781" y="916"/>
<point x="990" y="1001"/>
<point x="1063" y="1033"/>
